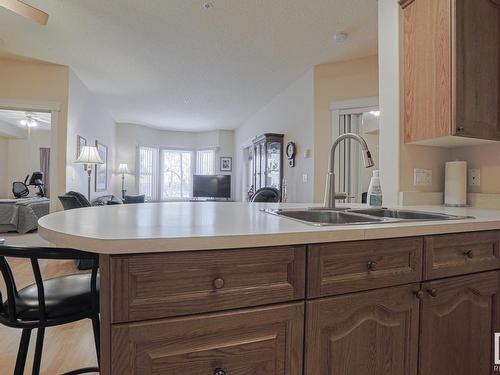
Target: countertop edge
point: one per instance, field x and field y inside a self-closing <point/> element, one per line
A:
<point x="182" y="244"/>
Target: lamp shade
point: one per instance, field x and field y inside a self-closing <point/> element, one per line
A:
<point x="123" y="168"/>
<point x="89" y="155"/>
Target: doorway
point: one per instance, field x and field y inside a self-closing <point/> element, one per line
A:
<point x="360" y="116"/>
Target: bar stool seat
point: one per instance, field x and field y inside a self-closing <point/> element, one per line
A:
<point x="50" y="302"/>
<point x="65" y="296"/>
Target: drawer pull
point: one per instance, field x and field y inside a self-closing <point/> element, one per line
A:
<point x="432" y="292"/>
<point x="372" y="265"/>
<point x="219" y="284"/>
<point x="219" y="371"/>
<point x="469" y="254"/>
<point x="419" y="294"/>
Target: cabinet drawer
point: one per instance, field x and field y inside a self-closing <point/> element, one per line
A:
<point x="455" y="254"/>
<point x="344" y="267"/>
<point x="263" y="341"/>
<point x="173" y="284"/>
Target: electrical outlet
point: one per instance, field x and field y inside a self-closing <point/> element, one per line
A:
<point x="474" y="177"/>
<point x="305" y="178"/>
<point x="422" y="177"/>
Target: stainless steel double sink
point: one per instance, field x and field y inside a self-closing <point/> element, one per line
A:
<point x="352" y="216"/>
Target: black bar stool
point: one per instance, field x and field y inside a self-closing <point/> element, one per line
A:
<point x="48" y="303"/>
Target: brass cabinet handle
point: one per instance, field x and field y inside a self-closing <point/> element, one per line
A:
<point x="218" y="283"/>
<point x="432" y="292"/>
<point x="469" y="254"/>
<point x="219" y="371"/>
<point x="372" y="265"/>
<point x="419" y="294"/>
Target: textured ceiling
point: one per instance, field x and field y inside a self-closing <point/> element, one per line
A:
<point x="173" y="64"/>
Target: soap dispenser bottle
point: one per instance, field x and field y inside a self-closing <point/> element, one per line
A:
<point x="374" y="198"/>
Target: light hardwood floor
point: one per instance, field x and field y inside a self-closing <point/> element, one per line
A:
<point x="66" y="347"/>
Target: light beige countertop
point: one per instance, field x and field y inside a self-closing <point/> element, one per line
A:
<point x="187" y="226"/>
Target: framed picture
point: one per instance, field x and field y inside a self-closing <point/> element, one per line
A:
<point x="80" y="142"/>
<point x="101" y="170"/>
<point x="226" y="164"/>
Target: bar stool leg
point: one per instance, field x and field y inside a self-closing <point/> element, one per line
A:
<point x="23" y="352"/>
<point x="38" y="351"/>
<point x="97" y="338"/>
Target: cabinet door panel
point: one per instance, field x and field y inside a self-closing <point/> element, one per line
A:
<point x="266" y="341"/>
<point x="368" y="333"/>
<point x="427" y="70"/>
<point x="477" y="65"/>
<point x="457" y="325"/>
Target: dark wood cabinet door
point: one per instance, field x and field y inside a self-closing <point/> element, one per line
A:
<point x="369" y="333"/>
<point x="457" y="325"/>
<point x="477" y="68"/>
<point x="265" y="341"/>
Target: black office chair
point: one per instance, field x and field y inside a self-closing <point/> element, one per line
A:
<point x="128" y="199"/>
<point x="73" y="199"/>
<point x="50" y="302"/>
<point x="266" y="194"/>
<point x="20" y="189"/>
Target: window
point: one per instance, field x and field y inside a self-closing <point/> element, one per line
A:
<point x="168" y="174"/>
<point x="205" y="162"/>
<point x="148" y="172"/>
<point x="176" y="174"/>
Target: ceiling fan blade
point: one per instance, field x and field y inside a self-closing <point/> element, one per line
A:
<point x="25" y="10"/>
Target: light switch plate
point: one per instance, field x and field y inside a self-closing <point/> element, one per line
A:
<point x="305" y="178"/>
<point x="474" y="177"/>
<point x="422" y="177"/>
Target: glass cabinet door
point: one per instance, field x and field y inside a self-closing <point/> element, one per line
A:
<point x="273" y="156"/>
<point x="268" y="161"/>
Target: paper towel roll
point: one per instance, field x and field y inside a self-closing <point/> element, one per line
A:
<point x="455" y="183"/>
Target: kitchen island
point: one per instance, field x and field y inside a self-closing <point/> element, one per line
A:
<point x="224" y="288"/>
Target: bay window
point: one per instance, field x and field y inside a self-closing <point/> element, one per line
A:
<point x="166" y="174"/>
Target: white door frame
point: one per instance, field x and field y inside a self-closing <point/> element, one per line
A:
<point x="54" y="108"/>
<point x="350" y="107"/>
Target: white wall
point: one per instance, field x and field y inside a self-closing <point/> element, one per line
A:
<point x="389" y="99"/>
<point x="3" y="167"/>
<point x="290" y="113"/>
<point x="130" y="136"/>
<point x="22" y="157"/>
<point x="89" y="119"/>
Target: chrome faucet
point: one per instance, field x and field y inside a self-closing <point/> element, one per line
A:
<point x="330" y="194"/>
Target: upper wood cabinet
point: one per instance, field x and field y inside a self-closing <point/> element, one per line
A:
<point x="451" y="71"/>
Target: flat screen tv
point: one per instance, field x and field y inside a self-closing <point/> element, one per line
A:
<point x="212" y="186"/>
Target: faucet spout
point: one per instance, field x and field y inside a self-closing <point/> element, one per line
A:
<point x="330" y="177"/>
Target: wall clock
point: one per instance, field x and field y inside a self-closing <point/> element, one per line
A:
<point x="291" y="150"/>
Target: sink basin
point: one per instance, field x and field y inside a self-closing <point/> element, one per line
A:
<point x="344" y="216"/>
<point x="326" y="217"/>
<point x="406" y="214"/>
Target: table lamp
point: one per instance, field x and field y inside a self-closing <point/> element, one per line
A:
<point x="89" y="156"/>
<point x="123" y="168"/>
